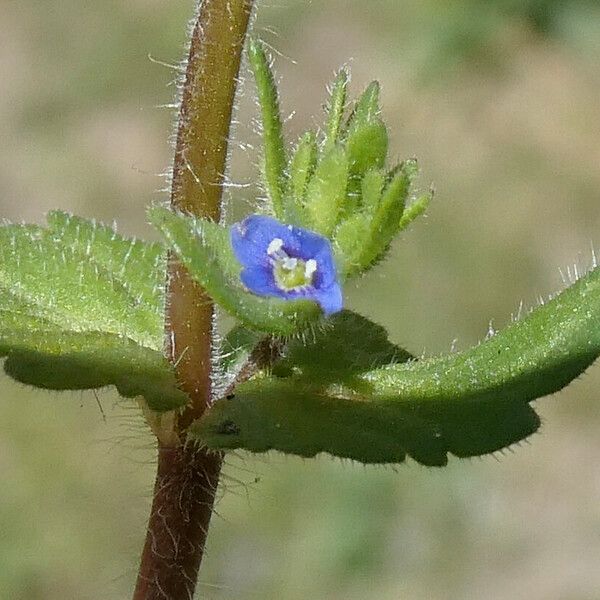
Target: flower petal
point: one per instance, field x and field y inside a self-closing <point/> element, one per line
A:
<point x="307" y="244"/>
<point x="250" y="239"/>
<point x="310" y="245"/>
<point x="253" y="238"/>
<point x="259" y="280"/>
<point x="330" y="299"/>
<point x="326" y="273"/>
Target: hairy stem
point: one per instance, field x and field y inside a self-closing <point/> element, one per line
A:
<point x="187" y="477"/>
<point x="199" y="167"/>
<point x="183" y="498"/>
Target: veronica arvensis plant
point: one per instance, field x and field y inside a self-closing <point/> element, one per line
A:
<point x="82" y="307"/>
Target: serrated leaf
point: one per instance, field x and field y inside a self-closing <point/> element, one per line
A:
<point x="284" y="415"/>
<point x="80" y="307"/>
<point x="466" y="404"/>
<point x="205" y="249"/>
<point x="139" y="265"/>
<point x="48" y="357"/>
<point x="79" y="293"/>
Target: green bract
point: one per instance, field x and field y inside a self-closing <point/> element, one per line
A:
<point x="336" y="181"/>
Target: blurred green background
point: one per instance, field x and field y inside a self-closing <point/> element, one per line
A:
<point x="499" y="101"/>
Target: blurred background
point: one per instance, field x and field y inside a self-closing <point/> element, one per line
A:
<point x="499" y="101"/>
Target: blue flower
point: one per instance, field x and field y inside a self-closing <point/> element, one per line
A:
<point x="287" y="262"/>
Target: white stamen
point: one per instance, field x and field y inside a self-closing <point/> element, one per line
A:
<point x="275" y="246"/>
<point x="289" y="264"/>
<point x="310" y="268"/>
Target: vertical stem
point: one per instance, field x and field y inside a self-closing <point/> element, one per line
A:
<point x="187" y="477"/>
<point x="199" y="167"/>
<point x="178" y="525"/>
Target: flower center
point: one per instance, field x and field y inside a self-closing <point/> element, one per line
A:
<point x="290" y="273"/>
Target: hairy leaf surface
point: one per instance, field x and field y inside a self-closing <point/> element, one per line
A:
<point x="347" y="345"/>
<point x="275" y="159"/>
<point x="466" y="404"/>
<point x="81" y="307"/>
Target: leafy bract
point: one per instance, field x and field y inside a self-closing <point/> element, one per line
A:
<point x="335" y="109"/>
<point x="466" y="404"/>
<point x="81" y="307"/>
<point x="336" y="182"/>
<point x="346" y="345"/>
<point x="301" y="168"/>
<point x="274" y="151"/>
<point x="363" y="238"/>
<point x="205" y="249"/>
<point x="326" y="191"/>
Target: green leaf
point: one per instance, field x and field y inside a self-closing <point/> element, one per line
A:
<point x="366" y="108"/>
<point x="466" y="404"/>
<point x="331" y="354"/>
<point x="362" y="239"/>
<point x="326" y="192"/>
<point x="50" y="358"/>
<point x="335" y="110"/>
<point x="81" y="307"/>
<point x="205" y="249"/>
<point x="301" y="170"/>
<point x="286" y="416"/>
<point x="274" y="160"/>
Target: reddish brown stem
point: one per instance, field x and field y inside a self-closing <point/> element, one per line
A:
<point x="183" y="499"/>
<point x="188" y="477"/>
<point x="198" y="171"/>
